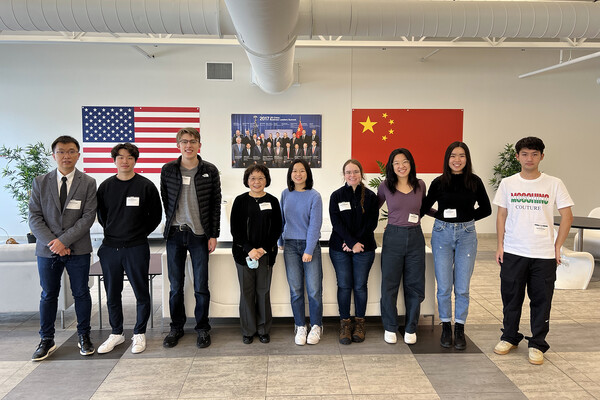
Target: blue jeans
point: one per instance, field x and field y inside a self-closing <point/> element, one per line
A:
<point x="51" y="270"/>
<point x="454" y="247"/>
<point x="402" y="259"/>
<point x="178" y="245"/>
<point x="133" y="261"/>
<point x="297" y="271"/>
<point x="352" y="272"/>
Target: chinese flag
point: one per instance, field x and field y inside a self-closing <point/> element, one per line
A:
<point x="299" y="131"/>
<point x="425" y="133"/>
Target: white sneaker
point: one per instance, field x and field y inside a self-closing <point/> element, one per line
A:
<point x="300" y="338"/>
<point x="111" y="343"/>
<point x="410" y="338"/>
<point x="390" y="337"/>
<point x="139" y="343"/>
<point x="315" y="334"/>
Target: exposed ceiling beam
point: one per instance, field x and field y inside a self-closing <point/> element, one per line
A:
<point x="152" y="40"/>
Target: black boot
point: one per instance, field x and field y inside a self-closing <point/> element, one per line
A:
<point x="446" y="339"/>
<point x="459" y="337"/>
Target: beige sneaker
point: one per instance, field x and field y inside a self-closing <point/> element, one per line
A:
<point x="536" y="356"/>
<point x="110" y="343"/>
<point x="300" y="338"/>
<point x="410" y="338"/>
<point x="503" y="347"/>
<point x="139" y="343"/>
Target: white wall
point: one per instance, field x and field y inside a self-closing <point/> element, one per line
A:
<point x="42" y="89"/>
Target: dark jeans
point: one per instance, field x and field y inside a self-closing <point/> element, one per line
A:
<point x="178" y="245"/>
<point x="51" y="270"/>
<point x="538" y="275"/>
<point x="402" y="259"/>
<point x="134" y="261"/>
<point x="255" y="297"/>
<point x="352" y="272"/>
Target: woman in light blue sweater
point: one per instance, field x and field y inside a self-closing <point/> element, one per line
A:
<point x="302" y="210"/>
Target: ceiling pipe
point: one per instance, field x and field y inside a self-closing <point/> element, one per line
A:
<point x="266" y="30"/>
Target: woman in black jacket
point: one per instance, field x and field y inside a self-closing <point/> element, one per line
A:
<point x="255" y="227"/>
<point x="354" y="212"/>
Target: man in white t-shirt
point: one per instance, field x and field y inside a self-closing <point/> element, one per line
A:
<point x="528" y="253"/>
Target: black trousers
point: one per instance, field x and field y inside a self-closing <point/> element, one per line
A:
<point x="134" y="261"/>
<point x="537" y="275"/>
<point x="255" y="298"/>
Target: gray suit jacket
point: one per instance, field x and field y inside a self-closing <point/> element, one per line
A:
<point x="72" y="225"/>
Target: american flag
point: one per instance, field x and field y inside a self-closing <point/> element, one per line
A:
<point x="151" y="129"/>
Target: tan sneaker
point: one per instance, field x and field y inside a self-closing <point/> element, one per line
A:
<point x="536" y="356"/>
<point x="503" y="347"/>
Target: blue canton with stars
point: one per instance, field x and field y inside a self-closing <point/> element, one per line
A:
<point x="107" y="124"/>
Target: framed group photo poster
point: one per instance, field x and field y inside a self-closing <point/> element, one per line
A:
<point x="275" y="140"/>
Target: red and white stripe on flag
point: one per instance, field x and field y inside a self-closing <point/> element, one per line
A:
<point x="153" y="131"/>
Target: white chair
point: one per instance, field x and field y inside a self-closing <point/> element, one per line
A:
<point x="575" y="269"/>
<point x="591" y="237"/>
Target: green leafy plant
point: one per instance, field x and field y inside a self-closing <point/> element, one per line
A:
<point x="507" y="165"/>
<point x="375" y="182"/>
<point x="24" y="164"/>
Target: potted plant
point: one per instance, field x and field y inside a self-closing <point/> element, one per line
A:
<point x="375" y="182"/>
<point x="24" y="164"/>
<point x="507" y="165"/>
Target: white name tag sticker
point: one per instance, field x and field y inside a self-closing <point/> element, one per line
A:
<point x="265" y="206"/>
<point x="413" y="218"/>
<point x="187" y="180"/>
<point x="74" y="205"/>
<point x="132" y="201"/>
<point x="540" y="229"/>
<point x="344" y="206"/>
<point x="450" y="213"/>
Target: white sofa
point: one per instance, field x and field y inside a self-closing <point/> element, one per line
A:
<point x="224" y="287"/>
<point x="20" y="283"/>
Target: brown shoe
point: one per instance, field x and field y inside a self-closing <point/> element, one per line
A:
<point x="359" y="330"/>
<point x="345" y="331"/>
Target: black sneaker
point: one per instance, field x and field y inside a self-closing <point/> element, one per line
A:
<point x="44" y="349"/>
<point x="203" y="339"/>
<point x="172" y="338"/>
<point x="446" y="339"/>
<point x="460" y="343"/>
<point x="86" y="348"/>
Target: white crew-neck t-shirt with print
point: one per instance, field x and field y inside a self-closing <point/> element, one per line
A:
<point x="529" y="229"/>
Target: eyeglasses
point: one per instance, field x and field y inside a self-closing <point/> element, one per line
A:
<point x="352" y="172"/>
<point x="185" y="142"/>
<point x="260" y="179"/>
<point x="69" y="153"/>
<point x="403" y="163"/>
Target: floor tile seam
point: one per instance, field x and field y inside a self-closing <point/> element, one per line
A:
<point x="186" y="378"/>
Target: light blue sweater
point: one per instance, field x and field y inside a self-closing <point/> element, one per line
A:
<point x="302" y="217"/>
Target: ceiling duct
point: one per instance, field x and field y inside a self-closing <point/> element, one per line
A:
<point x="267" y="29"/>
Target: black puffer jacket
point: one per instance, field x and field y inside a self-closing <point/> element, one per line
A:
<point x="208" y="192"/>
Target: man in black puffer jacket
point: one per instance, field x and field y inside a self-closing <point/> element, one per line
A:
<point x="191" y="194"/>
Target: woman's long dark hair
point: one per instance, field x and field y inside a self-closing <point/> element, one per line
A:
<point x="391" y="178"/>
<point x="467" y="172"/>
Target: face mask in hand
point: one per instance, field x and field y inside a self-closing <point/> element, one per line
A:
<point x="252" y="264"/>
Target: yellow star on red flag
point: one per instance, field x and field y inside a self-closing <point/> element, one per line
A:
<point x="391" y="131"/>
<point x="368" y="125"/>
<point x="391" y="122"/>
<point x="384" y="115"/>
<point x="384" y="138"/>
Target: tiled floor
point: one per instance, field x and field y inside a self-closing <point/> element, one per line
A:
<point x="280" y="370"/>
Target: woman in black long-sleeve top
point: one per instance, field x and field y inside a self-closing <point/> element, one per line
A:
<point x="354" y="212"/>
<point x="255" y="227"/>
<point x="454" y="239"/>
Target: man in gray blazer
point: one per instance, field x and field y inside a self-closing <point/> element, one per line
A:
<point x="62" y="208"/>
